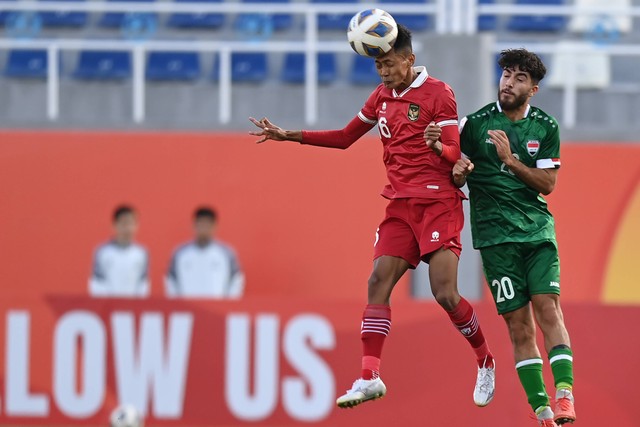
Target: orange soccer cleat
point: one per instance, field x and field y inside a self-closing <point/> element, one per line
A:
<point x="564" y="411"/>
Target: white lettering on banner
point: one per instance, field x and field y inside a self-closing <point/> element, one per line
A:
<point x="153" y="365"/>
<point x="302" y="335"/>
<point x="19" y="401"/>
<point x="87" y="328"/>
<point x="266" y="366"/>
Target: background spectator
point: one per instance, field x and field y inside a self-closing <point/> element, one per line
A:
<point x="120" y="266"/>
<point x="205" y="267"/>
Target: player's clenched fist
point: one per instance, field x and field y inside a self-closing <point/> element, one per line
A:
<point x="432" y="137"/>
<point x="461" y="169"/>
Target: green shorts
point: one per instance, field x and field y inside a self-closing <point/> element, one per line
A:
<point x="515" y="271"/>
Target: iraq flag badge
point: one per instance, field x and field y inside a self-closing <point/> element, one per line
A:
<point x="532" y="147"/>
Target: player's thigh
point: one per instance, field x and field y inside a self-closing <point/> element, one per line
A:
<point x="394" y="237"/>
<point x="437" y="224"/>
<point x="542" y="267"/>
<point x="505" y="273"/>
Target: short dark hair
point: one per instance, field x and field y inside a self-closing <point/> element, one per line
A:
<point x="205" y="212"/>
<point x="122" y="210"/>
<point x="403" y="44"/>
<point x="526" y="61"/>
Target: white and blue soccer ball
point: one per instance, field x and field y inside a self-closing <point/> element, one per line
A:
<point x="125" y="416"/>
<point x="372" y="32"/>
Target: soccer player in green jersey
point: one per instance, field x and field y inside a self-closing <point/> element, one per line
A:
<point x="512" y="155"/>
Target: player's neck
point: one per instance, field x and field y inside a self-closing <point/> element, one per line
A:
<point x="413" y="75"/>
<point x="517" y="113"/>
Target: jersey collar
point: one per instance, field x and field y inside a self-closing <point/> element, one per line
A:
<point x="422" y="77"/>
<point x="526" y="112"/>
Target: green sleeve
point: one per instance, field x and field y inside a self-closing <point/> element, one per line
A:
<point x="549" y="155"/>
<point x="467" y="145"/>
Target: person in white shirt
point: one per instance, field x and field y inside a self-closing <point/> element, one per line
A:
<point x="205" y="267"/>
<point x="120" y="266"/>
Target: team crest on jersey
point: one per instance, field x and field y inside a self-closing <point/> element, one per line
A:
<point x="532" y="147"/>
<point x="414" y="112"/>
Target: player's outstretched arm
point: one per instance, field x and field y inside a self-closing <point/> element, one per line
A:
<point x="270" y="131"/>
<point x="461" y="170"/>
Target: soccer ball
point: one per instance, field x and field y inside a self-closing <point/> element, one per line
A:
<point x="372" y="32"/>
<point x="125" y="416"/>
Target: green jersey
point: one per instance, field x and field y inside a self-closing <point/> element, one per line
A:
<point x="503" y="208"/>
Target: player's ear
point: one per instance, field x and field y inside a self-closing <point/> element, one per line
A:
<point x="534" y="90"/>
<point x="412" y="58"/>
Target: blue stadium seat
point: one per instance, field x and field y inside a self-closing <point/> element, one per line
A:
<point x="363" y="71"/>
<point x="294" y="67"/>
<point x="27" y="64"/>
<point x="4" y="15"/>
<point x="116" y="19"/>
<point x="487" y="22"/>
<point x="245" y="67"/>
<point x="412" y="21"/>
<point x="196" y="20"/>
<point x="279" y="21"/>
<point x="334" y="21"/>
<point x="64" y="19"/>
<point x="538" y="23"/>
<point x="173" y="66"/>
<point x="103" y="65"/>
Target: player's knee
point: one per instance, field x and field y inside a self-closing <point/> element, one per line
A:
<point x="378" y="285"/>
<point x="549" y="315"/>
<point x="522" y="333"/>
<point x="447" y="298"/>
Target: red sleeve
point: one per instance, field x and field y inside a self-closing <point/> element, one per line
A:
<point x="450" y="139"/>
<point x="341" y="139"/>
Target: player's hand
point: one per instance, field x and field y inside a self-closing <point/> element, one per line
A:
<point x="502" y="144"/>
<point x="432" y="137"/>
<point x="268" y="130"/>
<point x="462" y="169"/>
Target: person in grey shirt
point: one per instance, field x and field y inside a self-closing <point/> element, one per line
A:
<point x="204" y="267"/>
<point x="120" y="266"/>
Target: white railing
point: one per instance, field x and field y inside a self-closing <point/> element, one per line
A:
<point x="451" y="17"/>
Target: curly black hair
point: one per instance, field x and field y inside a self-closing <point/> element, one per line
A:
<point x="526" y="61"/>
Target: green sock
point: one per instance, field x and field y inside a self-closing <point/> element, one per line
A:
<point x="530" y="373"/>
<point x="561" y="359"/>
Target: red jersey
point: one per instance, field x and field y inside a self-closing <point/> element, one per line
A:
<point x="413" y="169"/>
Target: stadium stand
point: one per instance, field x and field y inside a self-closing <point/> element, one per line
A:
<point x="26" y="64"/>
<point x="196" y="20"/>
<point x="173" y="66"/>
<point x="363" y="72"/>
<point x="334" y="21"/>
<point x="293" y="70"/>
<point x="116" y="19"/>
<point x="245" y="67"/>
<point x="103" y="65"/>
<point x="537" y="23"/>
<point x="64" y="19"/>
<point x="412" y="21"/>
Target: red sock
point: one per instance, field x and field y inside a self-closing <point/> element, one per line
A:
<point x="464" y="319"/>
<point x="376" y="322"/>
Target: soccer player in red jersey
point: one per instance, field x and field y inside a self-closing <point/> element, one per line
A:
<point x="417" y="118"/>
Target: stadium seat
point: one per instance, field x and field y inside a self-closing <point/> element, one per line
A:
<point x="538" y="23"/>
<point x="116" y="19"/>
<point x="334" y="21"/>
<point x="4" y="15"/>
<point x="363" y="71"/>
<point x="103" y="65"/>
<point x="294" y="68"/>
<point x="26" y="64"/>
<point x="196" y="20"/>
<point x="64" y="19"/>
<point x="487" y="22"/>
<point x="173" y="66"/>
<point x="245" y="67"/>
<point x="279" y="21"/>
<point x="414" y="22"/>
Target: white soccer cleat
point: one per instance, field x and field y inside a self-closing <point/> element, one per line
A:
<point x="361" y="391"/>
<point x="485" y="385"/>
